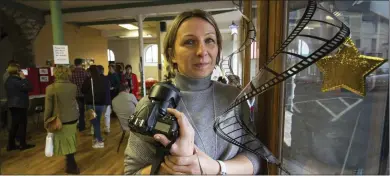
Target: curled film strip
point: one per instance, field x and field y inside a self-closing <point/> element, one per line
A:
<point x="230" y="126"/>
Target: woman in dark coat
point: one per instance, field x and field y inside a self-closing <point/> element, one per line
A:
<point x="17" y="88"/>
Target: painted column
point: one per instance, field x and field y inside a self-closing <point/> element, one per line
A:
<point x="56" y="22"/>
<point x="140" y="20"/>
<point x="159" y="66"/>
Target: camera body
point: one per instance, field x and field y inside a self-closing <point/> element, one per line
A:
<point x="153" y="118"/>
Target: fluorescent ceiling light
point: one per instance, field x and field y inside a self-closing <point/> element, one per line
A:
<point x="129" y="26"/>
<point x="307" y="27"/>
<point x="136" y="36"/>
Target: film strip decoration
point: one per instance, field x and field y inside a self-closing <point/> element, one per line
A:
<point x="256" y="87"/>
<point x="231" y="127"/>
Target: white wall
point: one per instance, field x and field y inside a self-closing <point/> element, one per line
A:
<point x="83" y="42"/>
<point x="127" y="52"/>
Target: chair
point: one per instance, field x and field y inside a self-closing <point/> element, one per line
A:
<point x="124" y="123"/>
<point x="35" y="109"/>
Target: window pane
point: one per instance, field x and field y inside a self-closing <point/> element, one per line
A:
<point x="155" y="53"/>
<point x="151" y="54"/>
<point x="337" y="132"/>
<point x="110" y="55"/>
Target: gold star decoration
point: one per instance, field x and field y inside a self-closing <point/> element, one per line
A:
<point x="347" y="69"/>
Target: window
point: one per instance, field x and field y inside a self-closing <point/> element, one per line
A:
<point x="337" y="132"/>
<point x="373" y="45"/>
<point x="357" y="43"/>
<point x="151" y="55"/>
<point x="110" y="55"/>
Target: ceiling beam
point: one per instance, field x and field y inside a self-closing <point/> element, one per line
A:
<point x="133" y="20"/>
<point x="129" y="13"/>
<point x="125" y="6"/>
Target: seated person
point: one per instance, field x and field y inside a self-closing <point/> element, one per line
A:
<point x="124" y="105"/>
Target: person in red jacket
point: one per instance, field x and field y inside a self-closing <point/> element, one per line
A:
<point x="132" y="81"/>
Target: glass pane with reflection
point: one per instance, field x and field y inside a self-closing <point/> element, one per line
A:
<point x="337" y="132"/>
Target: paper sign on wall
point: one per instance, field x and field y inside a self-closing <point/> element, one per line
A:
<point x="61" y="55"/>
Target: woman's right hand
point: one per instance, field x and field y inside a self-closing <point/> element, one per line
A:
<point x="21" y="75"/>
<point x="184" y="145"/>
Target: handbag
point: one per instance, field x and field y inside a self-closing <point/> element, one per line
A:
<point x="54" y="123"/>
<point x="49" y="148"/>
<point x="90" y="114"/>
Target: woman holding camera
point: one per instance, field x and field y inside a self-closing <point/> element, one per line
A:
<point x="192" y="48"/>
<point x="17" y="88"/>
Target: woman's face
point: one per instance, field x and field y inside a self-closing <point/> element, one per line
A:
<point x="128" y="70"/>
<point x="112" y="70"/>
<point x="196" y="48"/>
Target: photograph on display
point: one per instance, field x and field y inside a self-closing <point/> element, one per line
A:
<point x="44" y="78"/>
<point x="43" y="71"/>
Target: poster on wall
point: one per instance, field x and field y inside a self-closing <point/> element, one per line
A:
<point x="61" y="55"/>
<point x="44" y="78"/>
<point x="43" y="71"/>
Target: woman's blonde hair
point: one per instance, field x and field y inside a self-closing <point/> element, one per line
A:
<point x="62" y="72"/>
<point x="13" y="69"/>
<point x="170" y="38"/>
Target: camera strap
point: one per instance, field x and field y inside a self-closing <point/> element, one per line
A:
<point x="161" y="152"/>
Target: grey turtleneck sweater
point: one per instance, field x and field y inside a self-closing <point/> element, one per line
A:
<point x="202" y="101"/>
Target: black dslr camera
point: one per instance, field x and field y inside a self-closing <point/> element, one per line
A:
<point x="153" y="118"/>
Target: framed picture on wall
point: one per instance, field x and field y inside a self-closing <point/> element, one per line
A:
<point x="44" y="78"/>
<point x="43" y="71"/>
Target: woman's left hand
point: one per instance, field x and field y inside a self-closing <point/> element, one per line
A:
<point x="190" y="164"/>
<point x="184" y="144"/>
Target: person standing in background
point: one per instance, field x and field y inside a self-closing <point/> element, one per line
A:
<point x="17" y="88"/>
<point x="78" y="77"/>
<point x="131" y="80"/>
<point x="107" y="113"/>
<point x="61" y="98"/>
<point x="120" y="74"/>
<point x="114" y="81"/>
<point x="4" y="109"/>
<point x="95" y="89"/>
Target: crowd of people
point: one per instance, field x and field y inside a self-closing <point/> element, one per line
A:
<point x="74" y="91"/>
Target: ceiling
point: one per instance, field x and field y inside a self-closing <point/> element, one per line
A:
<point x="89" y="11"/>
<point x="106" y="15"/>
<point x="107" y="27"/>
<point x="45" y="4"/>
